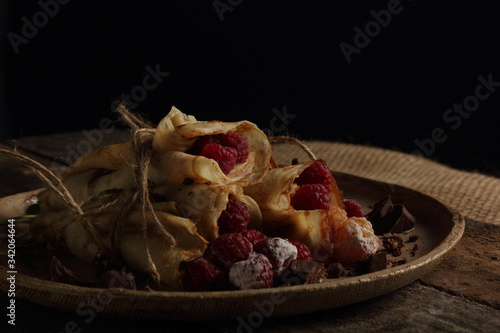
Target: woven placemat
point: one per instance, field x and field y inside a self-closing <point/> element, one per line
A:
<point x="476" y="195"/>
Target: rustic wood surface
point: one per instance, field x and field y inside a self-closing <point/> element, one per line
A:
<point x="461" y="295"/>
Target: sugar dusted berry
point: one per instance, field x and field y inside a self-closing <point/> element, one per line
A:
<point x="310" y="197"/>
<point x="202" y="274"/>
<point x="253" y="273"/>
<point x="279" y="251"/>
<point x="303" y="252"/>
<point x="254" y="236"/>
<point x="234" y="218"/>
<point x="238" y="142"/>
<point x="231" y="248"/>
<point x="353" y="208"/>
<point x="354" y="240"/>
<point x="224" y="156"/>
<point x="316" y="173"/>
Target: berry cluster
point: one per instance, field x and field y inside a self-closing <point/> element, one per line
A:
<point x="226" y="149"/>
<point x="242" y="258"/>
<point x="245" y="260"/>
<point x="314" y="188"/>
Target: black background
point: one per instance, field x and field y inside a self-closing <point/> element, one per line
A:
<point x="260" y="56"/>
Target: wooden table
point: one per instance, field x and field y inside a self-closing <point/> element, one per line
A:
<point x="461" y="295"/>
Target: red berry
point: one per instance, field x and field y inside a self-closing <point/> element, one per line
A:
<point x="303" y="252"/>
<point x="200" y="143"/>
<point x="253" y="273"/>
<point x="353" y="208"/>
<point x="254" y="236"/>
<point x="234" y="218"/>
<point x="231" y="248"/>
<point x="316" y="173"/>
<point x="279" y="251"/>
<point x="224" y="156"/>
<point x="238" y="142"/>
<point x="310" y="197"/>
<point x="203" y="275"/>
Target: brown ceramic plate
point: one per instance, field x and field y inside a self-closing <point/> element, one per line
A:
<point x="439" y="228"/>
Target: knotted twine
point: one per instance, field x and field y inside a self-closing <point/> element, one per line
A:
<point x="141" y="145"/>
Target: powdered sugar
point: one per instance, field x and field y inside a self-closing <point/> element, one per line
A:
<point x="253" y="273"/>
<point x="354" y="240"/>
<point x="279" y="251"/>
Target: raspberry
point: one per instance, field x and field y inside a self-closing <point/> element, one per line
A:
<point x="231" y="248"/>
<point x="253" y="273"/>
<point x="254" y="236"/>
<point x="353" y="208"/>
<point x="203" y="275"/>
<point x="316" y="173"/>
<point x="238" y="142"/>
<point x="224" y="156"/>
<point x="200" y="143"/>
<point x="310" y="197"/>
<point x="279" y="251"/>
<point x="303" y="252"/>
<point x="234" y="218"/>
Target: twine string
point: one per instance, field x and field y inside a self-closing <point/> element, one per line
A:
<point x="291" y="139"/>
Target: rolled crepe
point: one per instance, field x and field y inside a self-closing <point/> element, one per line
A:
<point x="203" y="204"/>
<point x="171" y="164"/>
<point x="313" y="227"/>
<point x="176" y="134"/>
<point x="104" y="232"/>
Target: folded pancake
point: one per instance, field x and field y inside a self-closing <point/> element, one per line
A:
<point x="203" y="204"/>
<point x="127" y="237"/>
<point x="113" y="167"/>
<point x="274" y="197"/>
<point x="171" y="161"/>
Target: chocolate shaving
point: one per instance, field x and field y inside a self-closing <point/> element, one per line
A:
<point x="393" y="243"/>
<point x="413" y="251"/>
<point x="398" y="262"/>
<point x="336" y="270"/>
<point x="413" y="238"/>
<point x="308" y="271"/>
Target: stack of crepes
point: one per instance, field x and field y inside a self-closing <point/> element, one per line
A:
<point x="152" y="205"/>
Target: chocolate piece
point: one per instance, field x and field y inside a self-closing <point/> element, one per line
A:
<point x="306" y="271"/>
<point x="401" y="219"/>
<point x="373" y="263"/>
<point x="393" y="243"/>
<point x="387" y="217"/>
<point x="380" y="209"/>
<point x="336" y="270"/>
<point x="413" y="251"/>
<point x="413" y="238"/>
<point x="398" y="262"/>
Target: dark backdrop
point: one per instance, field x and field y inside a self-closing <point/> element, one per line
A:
<point x="296" y="68"/>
